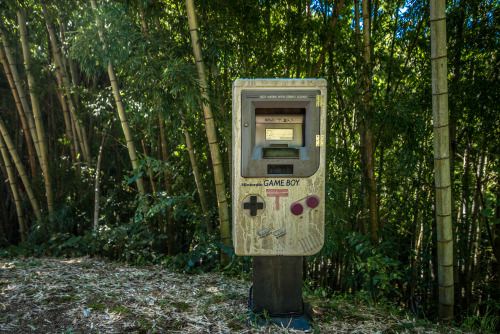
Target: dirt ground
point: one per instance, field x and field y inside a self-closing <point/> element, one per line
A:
<point x="87" y="295"/>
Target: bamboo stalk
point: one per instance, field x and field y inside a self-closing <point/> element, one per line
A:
<point x="22" y="116"/>
<point x="21" y="171"/>
<point x="442" y="158"/>
<point x="121" y="111"/>
<point x="226" y="135"/>
<point x="97" y="191"/>
<point x="369" y="145"/>
<point x="74" y="144"/>
<point x="475" y="228"/>
<point x="21" y="92"/>
<point x="167" y="230"/>
<point x="496" y="241"/>
<point x="144" y="23"/>
<point x="36" y="111"/>
<point x="66" y="85"/>
<point x="363" y="224"/>
<point x="211" y="131"/>
<point x="196" y="173"/>
<point x="150" y="171"/>
<point x="335" y="19"/>
<point x="75" y="79"/>
<point x="23" y="229"/>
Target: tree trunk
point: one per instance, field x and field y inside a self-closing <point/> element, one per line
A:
<point x="418" y="232"/>
<point x="97" y="191"/>
<point x="335" y="19"/>
<point x="362" y="220"/>
<point x="150" y="171"/>
<point x="223" y="111"/>
<point x="496" y="243"/>
<point x="369" y="145"/>
<point x="23" y="229"/>
<point x="21" y="171"/>
<point x="75" y="80"/>
<point x="75" y="142"/>
<point x="72" y="66"/>
<point x="442" y="157"/>
<point x="465" y="221"/>
<point x="121" y="111"/>
<point x="211" y="130"/>
<point x="196" y="173"/>
<point x="66" y="85"/>
<point x="74" y="146"/>
<point x="474" y="230"/>
<point x="142" y="18"/>
<point x="459" y="38"/>
<point x="22" y="116"/>
<point x="22" y="94"/>
<point x="36" y="112"/>
<point x="169" y="231"/>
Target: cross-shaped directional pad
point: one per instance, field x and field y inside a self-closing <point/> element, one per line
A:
<point x="254" y="205"/>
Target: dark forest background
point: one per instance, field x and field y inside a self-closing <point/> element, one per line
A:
<point x="105" y="152"/>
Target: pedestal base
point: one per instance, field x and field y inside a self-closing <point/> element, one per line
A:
<point x="276" y="296"/>
<point x="296" y="322"/>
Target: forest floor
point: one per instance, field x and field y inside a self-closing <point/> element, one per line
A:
<point x="88" y="295"/>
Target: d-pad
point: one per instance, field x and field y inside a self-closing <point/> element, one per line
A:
<point x="253" y="206"/>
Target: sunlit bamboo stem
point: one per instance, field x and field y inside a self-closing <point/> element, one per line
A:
<point x="121" y="110"/>
<point x="196" y="172"/>
<point x="210" y="127"/>
<point x="23" y="229"/>
<point x="21" y="92"/>
<point x="22" y="116"/>
<point x="36" y="111"/>
<point x="97" y="191"/>
<point x="21" y="171"/>
<point x="66" y="85"/>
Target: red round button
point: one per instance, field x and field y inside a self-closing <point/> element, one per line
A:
<point x="312" y="201"/>
<point x="297" y="208"/>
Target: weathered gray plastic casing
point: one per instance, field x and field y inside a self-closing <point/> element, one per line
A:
<point x="272" y="229"/>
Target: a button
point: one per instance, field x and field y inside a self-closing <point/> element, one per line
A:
<point x="297" y="208"/>
<point x="312" y="201"/>
<point x="253" y="206"/>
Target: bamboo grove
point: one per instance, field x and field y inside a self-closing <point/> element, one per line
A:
<point x="115" y="123"/>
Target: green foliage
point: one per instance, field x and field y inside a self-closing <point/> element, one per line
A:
<point x="129" y="242"/>
<point x="378" y="274"/>
<point x="488" y="323"/>
<point x="310" y="291"/>
<point x="204" y="256"/>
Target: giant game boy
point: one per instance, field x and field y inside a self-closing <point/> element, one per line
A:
<point x="278" y="185"/>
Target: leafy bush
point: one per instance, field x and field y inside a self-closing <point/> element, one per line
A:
<point x="377" y="273"/>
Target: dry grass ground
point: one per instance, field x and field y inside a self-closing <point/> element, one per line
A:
<point x="87" y="295"/>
